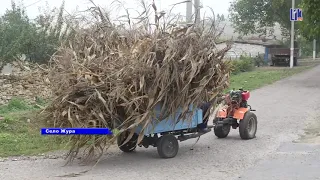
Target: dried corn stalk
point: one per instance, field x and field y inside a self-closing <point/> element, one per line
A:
<point x="113" y="77"/>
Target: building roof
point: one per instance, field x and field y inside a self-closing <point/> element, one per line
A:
<point x="253" y="42"/>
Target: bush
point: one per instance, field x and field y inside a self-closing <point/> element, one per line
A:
<point x="259" y="60"/>
<point x="15" y="104"/>
<point x="18" y="104"/>
<point x="244" y="64"/>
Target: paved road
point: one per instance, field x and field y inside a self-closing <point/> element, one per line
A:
<point x="284" y="109"/>
<point x="292" y="161"/>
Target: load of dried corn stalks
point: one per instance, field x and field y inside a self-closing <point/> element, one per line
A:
<point x="113" y="77"/>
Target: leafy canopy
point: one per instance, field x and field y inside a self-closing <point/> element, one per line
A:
<point x="16" y="33"/>
<point x="37" y="40"/>
<point x="310" y="25"/>
<point x="260" y="16"/>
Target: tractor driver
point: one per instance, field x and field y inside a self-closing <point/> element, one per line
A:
<point x="205" y="107"/>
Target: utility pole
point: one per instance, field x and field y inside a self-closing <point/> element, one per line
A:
<point x="189" y="12"/>
<point x="292" y="39"/>
<point x="197" y="10"/>
<point x="314" y="49"/>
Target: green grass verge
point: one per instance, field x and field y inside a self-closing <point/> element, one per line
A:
<point x="20" y="128"/>
<point x="262" y="76"/>
<point x="20" y="131"/>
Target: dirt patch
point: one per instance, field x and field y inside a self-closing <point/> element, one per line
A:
<point x="311" y="136"/>
<point x="312" y="133"/>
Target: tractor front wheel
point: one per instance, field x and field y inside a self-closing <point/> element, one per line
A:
<point x="248" y="126"/>
<point x="222" y="131"/>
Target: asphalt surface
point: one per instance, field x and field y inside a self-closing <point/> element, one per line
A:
<point x="284" y="110"/>
<point x="289" y="162"/>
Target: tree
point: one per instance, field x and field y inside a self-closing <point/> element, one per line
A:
<point x="310" y="26"/>
<point x="260" y="16"/>
<point x="37" y="40"/>
<point x="222" y="17"/>
<point x="49" y="36"/>
<point x="16" y="33"/>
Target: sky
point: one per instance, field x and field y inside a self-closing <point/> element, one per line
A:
<point x="32" y="6"/>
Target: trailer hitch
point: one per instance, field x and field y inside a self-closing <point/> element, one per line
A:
<point x="194" y="135"/>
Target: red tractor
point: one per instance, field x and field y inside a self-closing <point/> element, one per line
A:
<point x="236" y="113"/>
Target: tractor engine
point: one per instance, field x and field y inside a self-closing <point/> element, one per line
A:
<point x="238" y="98"/>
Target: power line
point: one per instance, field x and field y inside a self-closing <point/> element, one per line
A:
<point x="34" y="3"/>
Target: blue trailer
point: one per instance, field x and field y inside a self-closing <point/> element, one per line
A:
<point x="165" y="134"/>
<point x="161" y="134"/>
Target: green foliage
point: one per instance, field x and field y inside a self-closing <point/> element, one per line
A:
<point x="244" y="64"/>
<point x="19" y="135"/>
<point x="260" y="16"/>
<point x="261" y="77"/>
<point x="19" y="130"/>
<point x="15" y="104"/>
<point x="220" y="17"/>
<point x="259" y="60"/>
<point x="15" y="33"/>
<point x="306" y="46"/>
<point x="38" y="39"/>
<point x="310" y="25"/>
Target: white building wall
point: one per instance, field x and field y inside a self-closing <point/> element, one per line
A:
<point x="243" y="49"/>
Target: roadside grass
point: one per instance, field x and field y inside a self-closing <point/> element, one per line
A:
<point x="262" y="76"/>
<point x="20" y="125"/>
<point x="20" y="131"/>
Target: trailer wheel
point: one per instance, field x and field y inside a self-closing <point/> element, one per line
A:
<point x="167" y="146"/>
<point x="130" y="145"/>
<point x="222" y="131"/>
<point x="248" y="126"/>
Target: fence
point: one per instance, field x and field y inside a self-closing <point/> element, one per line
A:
<point x="235" y="56"/>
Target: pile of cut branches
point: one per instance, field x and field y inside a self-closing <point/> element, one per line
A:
<point x="113" y="77"/>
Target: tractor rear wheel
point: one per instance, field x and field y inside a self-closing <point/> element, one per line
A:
<point x="248" y="126"/>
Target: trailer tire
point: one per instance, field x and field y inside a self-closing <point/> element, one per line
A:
<point x="248" y="126"/>
<point x="130" y="146"/>
<point x="222" y="131"/>
<point x="167" y="146"/>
